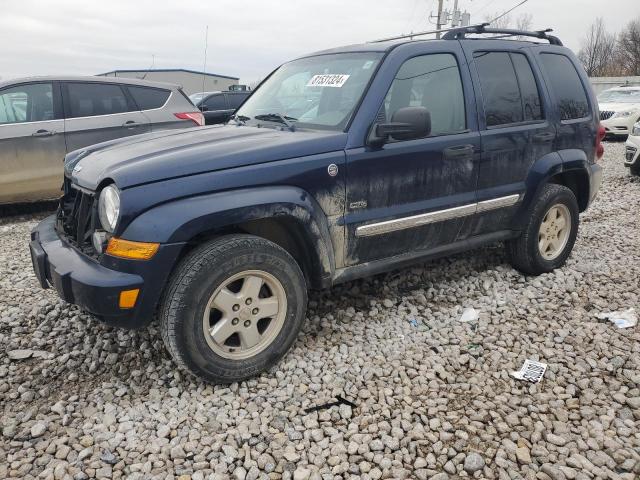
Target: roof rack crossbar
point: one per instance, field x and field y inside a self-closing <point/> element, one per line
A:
<point x="460" y="33"/>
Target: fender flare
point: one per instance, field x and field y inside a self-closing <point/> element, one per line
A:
<point x="540" y="172"/>
<point x="181" y="220"/>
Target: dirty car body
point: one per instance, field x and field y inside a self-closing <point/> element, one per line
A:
<point x="406" y="172"/>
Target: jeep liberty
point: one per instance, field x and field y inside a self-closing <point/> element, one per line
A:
<point x="342" y="164"/>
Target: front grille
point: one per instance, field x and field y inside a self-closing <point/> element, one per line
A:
<point x="77" y="215"/>
<point x="606" y="114"/>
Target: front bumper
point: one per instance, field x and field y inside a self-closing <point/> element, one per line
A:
<point x="632" y="150"/>
<point x="85" y="282"/>
<point x="619" y="125"/>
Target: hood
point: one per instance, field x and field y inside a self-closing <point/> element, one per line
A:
<point x="618" y="107"/>
<point x="175" y="153"/>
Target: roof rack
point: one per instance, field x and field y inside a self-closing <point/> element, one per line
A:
<point x="411" y="35"/>
<point x="460" y="33"/>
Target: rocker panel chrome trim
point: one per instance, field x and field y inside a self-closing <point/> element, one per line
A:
<point x="389" y="226"/>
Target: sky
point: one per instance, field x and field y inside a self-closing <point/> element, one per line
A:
<point x="247" y="38"/>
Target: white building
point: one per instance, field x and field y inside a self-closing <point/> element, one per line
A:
<point x="190" y="80"/>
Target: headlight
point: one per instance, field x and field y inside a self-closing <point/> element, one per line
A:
<point x="636" y="129"/>
<point x="624" y="113"/>
<point x="109" y="207"/>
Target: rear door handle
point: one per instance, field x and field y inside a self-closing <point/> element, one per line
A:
<point x="544" y="137"/>
<point x="43" y="133"/>
<point x="131" y="124"/>
<point x="458" y="151"/>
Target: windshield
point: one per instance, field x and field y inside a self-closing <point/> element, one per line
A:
<point x="318" y="92"/>
<point x="620" y="96"/>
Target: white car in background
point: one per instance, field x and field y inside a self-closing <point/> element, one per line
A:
<point x="632" y="153"/>
<point x="619" y="109"/>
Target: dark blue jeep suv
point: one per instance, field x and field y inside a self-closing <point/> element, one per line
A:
<point x="342" y="164"/>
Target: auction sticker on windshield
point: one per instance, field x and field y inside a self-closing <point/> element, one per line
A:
<point x="328" y="80"/>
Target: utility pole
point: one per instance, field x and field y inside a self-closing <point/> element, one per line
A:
<point x="439" y="20"/>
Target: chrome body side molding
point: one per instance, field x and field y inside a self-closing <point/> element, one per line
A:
<point x="434" y="217"/>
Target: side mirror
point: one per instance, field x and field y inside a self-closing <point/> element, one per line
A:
<point x="407" y="123"/>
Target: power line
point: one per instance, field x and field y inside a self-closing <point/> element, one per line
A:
<point x="475" y="12"/>
<point x="508" y="11"/>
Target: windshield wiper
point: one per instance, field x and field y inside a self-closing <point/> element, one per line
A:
<point x="240" y="119"/>
<point x="278" y="117"/>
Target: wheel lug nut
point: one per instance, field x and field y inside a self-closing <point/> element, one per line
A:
<point x="247" y="323"/>
<point x="248" y="301"/>
<point x="255" y="311"/>
<point x="236" y="307"/>
<point x="234" y="321"/>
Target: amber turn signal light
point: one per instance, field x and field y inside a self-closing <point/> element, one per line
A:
<point x="128" y="298"/>
<point x="118" y="247"/>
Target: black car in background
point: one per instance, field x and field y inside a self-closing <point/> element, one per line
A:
<point x="217" y="107"/>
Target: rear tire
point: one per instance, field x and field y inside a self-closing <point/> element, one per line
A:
<point x="233" y="308"/>
<point x="549" y="236"/>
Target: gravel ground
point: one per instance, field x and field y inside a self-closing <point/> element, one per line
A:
<point x="431" y="396"/>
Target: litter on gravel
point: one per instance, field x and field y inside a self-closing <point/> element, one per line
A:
<point x="621" y="319"/>
<point x="469" y="315"/>
<point x="531" y="371"/>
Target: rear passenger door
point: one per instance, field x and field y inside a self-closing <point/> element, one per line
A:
<point x="514" y="128"/>
<point x="96" y="112"/>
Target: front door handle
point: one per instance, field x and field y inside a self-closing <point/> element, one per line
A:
<point x="43" y="133"/>
<point x="543" y="137"/>
<point x="132" y="124"/>
<point x="458" y="151"/>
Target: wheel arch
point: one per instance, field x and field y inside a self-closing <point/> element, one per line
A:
<point x="287" y="216"/>
<point x="569" y="168"/>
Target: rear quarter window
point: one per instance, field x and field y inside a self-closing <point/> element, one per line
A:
<point x="149" y="98"/>
<point x="567" y="89"/>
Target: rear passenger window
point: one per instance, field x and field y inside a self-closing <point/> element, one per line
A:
<point x="528" y="87"/>
<point x="235" y="100"/>
<point x="568" y="90"/>
<point x="509" y="90"/>
<point x="92" y="99"/>
<point x="149" y="98"/>
<point x="431" y="81"/>
<point x="215" y="102"/>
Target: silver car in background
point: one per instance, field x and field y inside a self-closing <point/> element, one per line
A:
<point x="44" y="118"/>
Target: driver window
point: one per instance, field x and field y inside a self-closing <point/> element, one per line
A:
<point x="27" y="103"/>
<point x="430" y="81"/>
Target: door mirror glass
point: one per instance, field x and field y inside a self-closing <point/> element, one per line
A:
<point x="407" y="123"/>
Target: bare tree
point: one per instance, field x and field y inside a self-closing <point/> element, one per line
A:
<point x="628" y="48"/>
<point x="524" y="21"/>
<point x="597" y="50"/>
<point x="495" y="22"/>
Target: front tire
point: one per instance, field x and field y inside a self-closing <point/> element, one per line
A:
<point x="635" y="168"/>
<point x="233" y="308"/>
<point x="548" y="238"/>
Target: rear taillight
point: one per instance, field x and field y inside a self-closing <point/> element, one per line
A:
<point x="599" y="147"/>
<point x="195" y="117"/>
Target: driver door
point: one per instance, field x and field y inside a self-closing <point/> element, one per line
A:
<point x="412" y="195"/>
